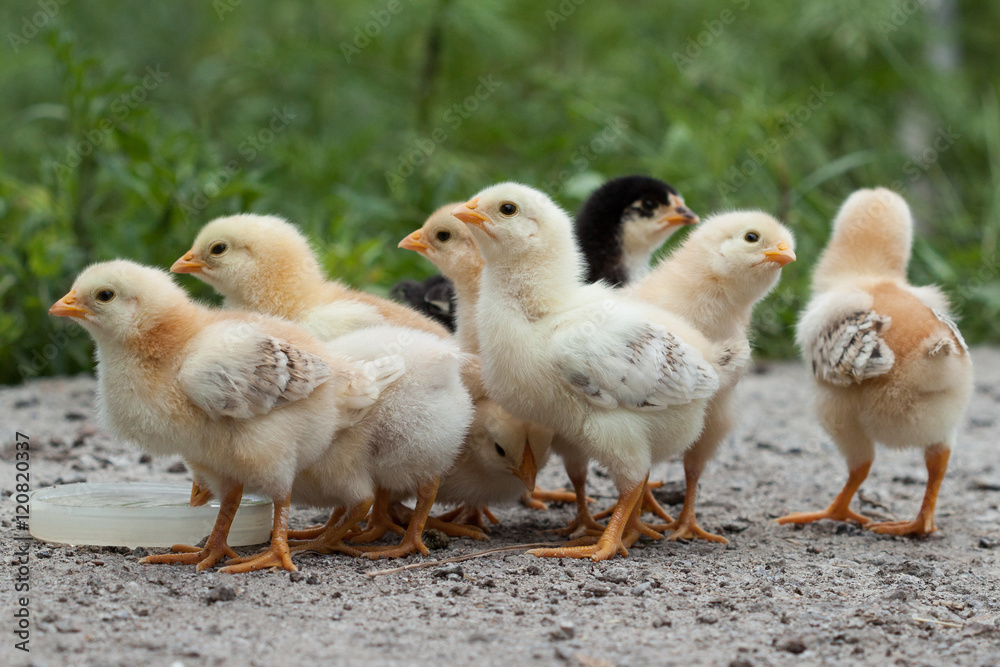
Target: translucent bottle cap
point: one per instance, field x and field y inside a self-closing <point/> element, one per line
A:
<point x="138" y="515"/>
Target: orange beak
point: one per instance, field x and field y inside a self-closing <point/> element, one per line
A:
<point x="188" y="264"/>
<point x="413" y="242"/>
<point x="681" y="215"/>
<point x="782" y="256"/>
<point x="66" y="307"/>
<point x="526" y="473"/>
<point x="466" y="213"/>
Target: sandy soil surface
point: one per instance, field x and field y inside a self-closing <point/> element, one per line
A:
<point x="823" y="594"/>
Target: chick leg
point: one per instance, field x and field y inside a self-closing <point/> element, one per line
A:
<point x="583" y="523"/>
<point x="937" y="464"/>
<point x="686" y="526"/>
<point x="649" y="504"/>
<point x="839" y="509"/>
<point x="216" y="547"/>
<point x="276" y="555"/>
<point x="610" y="542"/>
<point x="332" y="538"/>
<point x="312" y="532"/>
<point x="412" y="541"/>
<point x="379" y="522"/>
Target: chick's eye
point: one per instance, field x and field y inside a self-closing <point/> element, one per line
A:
<point x="508" y="209"/>
<point x="105" y="295"/>
<point x="648" y="204"/>
<point x="218" y="248"/>
<point x="443" y="236"/>
<point x="500" y="450"/>
<point x="751" y="237"/>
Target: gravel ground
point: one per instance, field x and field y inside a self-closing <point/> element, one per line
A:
<point x="821" y="594"/>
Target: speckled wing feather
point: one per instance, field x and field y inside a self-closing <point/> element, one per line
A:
<point x="945" y="345"/>
<point x="640" y="366"/>
<point x="851" y="349"/>
<point x="244" y="372"/>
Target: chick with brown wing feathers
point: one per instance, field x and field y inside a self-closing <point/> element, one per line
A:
<point x="727" y="264"/>
<point x="624" y="381"/>
<point x="264" y="264"/>
<point x="890" y="365"/>
<point x="250" y="401"/>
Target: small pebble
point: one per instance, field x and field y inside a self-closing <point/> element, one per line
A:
<point x="296" y="577"/>
<point x="566" y="630"/>
<point x="450" y="568"/>
<point x="312" y="580"/>
<point x="223" y="593"/>
<point x="178" y="467"/>
<point x="435" y="540"/>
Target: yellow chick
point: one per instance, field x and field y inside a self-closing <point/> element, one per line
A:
<point x="727" y="264"/>
<point x="265" y="264"/>
<point x="625" y="381"/>
<point x="890" y="365"/>
<point x="249" y="400"/>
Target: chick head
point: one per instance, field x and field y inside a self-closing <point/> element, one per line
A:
<point x="448" y="244"/>
<point x="745" y="246"/>
<point x="635" y="213"/>
<point x="120" y="300"/>
<point x="511" y="221"/>
<point x="240" y="255"/>
<point x="502" y="445"/>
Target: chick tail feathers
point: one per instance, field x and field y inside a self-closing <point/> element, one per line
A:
<point x="370" y="379"/>
<point x="729" y="358"/>
<point x="872" y="236"/>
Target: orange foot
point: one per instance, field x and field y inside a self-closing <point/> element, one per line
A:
<point x="188" y="555"/>
<point x="539" y="498"/>
<point x="687" y="528"/>
<point x="277" y="555"/>
<point x="610" y="542"/>
<point x="379" y="521"/>
<point x="312" y="532"/>
<point x="836" y="514"/>
<point x="199" y="495"/>
<point x="917" y="527"/>
<point x="411" y="542"/>
<point x="468" y="515"/>
<point x="457" y="529"/>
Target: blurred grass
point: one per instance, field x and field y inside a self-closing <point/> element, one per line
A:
<point x="260" y="107"/>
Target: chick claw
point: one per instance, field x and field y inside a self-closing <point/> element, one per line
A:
<point x="276" y="556"/>
<point x="917" y="527"/>
<point x="539" y="498"/>
<point x="686" y="528"/>
<point x="838" y="514"/>
<point x="188" y="555"/>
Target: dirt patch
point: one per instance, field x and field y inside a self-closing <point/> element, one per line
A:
<point x="828" y="593"/>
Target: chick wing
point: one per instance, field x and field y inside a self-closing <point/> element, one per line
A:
<point x="636" y="365"/>
<point x="240" y="371"/>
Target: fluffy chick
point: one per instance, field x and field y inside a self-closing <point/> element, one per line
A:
<point x="624" y="222"/>
<point x="889" y="363"/>
<point x="624" y="381"/>
<point x="264" y="264"/>
<point x="449" y="245"/>
<point x="413" y="433"/>
<point x="250" y="401"/>
<point x="725" y="266"/>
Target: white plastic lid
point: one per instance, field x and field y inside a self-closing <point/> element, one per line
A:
<point x="131" y="515"/>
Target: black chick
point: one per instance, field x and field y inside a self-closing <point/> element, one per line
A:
<point x="435" y="297"/>
<point x="624" y="222"/>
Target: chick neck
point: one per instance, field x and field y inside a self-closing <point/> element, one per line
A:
<point x="466" y="295"/>
<point x="282" y="291"/>
<point x="158" y="337"/>
<point x="719" y="305"/>
<point x="539" y="281"/>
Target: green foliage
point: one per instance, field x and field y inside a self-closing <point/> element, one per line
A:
<point x="128" y="128"/>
